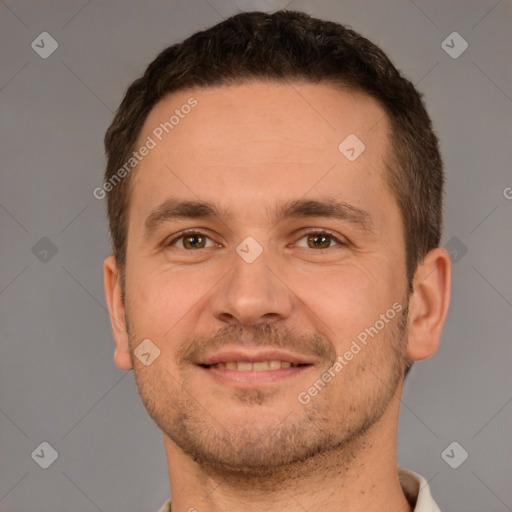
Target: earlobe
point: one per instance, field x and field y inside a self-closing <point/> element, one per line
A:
<point x="429" y="303"/>
<point x="113" y="295"/>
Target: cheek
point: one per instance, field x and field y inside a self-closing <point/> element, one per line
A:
<point x="161" y="300"/>
<point x="346" y="300"/>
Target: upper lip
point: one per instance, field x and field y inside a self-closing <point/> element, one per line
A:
<point x="252" y="356"/>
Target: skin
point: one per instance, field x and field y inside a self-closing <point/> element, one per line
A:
<point x="246" y="148"/>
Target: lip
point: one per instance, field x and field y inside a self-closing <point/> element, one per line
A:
<point x="252" y="378"/>
<point x="252" y="356"/>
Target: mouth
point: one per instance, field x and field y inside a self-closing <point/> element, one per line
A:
<point x="259" y="366"/>
<point x="245" y="368"/>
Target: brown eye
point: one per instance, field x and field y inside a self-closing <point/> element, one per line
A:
<point x="191" y="240"/>
<point x="319" y="240"/>
<point x="194" y="241"/>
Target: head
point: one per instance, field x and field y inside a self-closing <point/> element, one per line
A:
<point x="287" y="47"/>
<point x="253" y="158"/>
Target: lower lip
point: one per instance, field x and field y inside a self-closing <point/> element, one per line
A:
<point x="254" y="378"/>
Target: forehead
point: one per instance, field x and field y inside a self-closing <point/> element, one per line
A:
<point x="263" y="140"/>
<point x="305" y="115"/>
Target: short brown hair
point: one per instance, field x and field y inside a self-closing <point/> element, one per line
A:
<point x="288" y="46"/>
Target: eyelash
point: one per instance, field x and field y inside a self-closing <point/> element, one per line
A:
<point x="183" y="234"/>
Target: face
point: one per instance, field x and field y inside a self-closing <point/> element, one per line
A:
<point x="268" y="269"/>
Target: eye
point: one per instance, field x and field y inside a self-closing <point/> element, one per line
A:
<point x="190" y="240"/>
<point x="320" y="240"/>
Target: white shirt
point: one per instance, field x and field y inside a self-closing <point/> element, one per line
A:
<point x="415" y="488"/>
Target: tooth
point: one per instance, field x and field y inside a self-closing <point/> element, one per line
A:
<point x="245" y="366"/>
<point x="261" y="365"/>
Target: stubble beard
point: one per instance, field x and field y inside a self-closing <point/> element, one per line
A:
<point x="330" y="431"/>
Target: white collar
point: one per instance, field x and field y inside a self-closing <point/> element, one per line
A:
<point x="417" y="491"/>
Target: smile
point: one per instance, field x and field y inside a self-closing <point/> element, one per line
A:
<point x="244" y="366"/>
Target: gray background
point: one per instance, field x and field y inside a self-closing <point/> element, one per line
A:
<point x="58" y="382"/>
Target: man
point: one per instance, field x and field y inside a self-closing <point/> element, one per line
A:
<point x="274" y="197"/>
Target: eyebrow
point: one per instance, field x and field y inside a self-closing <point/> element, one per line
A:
<point x="175" y="209"/>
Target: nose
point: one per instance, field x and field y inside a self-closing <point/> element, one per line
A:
<point x="252" y="293"/>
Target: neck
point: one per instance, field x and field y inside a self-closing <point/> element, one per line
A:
<point x="359" y="476"/>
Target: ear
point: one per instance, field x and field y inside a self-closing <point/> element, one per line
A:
<point x="429" y="303"/>
<point x="113" y="294"/>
